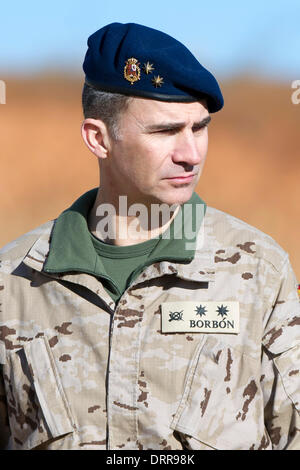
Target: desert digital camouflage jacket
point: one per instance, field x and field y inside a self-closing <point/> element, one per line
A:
<point x="80" y="373"/>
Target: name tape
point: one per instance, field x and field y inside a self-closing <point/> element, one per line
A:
<point x="200" y="317"/>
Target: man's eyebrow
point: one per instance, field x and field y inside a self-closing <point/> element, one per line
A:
<point x="164" y="126"/>
<point x="202" y="123"/>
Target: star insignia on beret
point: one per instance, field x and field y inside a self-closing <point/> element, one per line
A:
<point x="148" y="68"/>
<point x="157" y="81"/>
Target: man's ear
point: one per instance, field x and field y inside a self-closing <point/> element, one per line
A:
<point x="95" y="134"/>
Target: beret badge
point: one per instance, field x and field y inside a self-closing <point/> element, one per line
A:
<point x="157" y="81"/>
<point x="132" y="71"/>
<point x="148" y="68"/>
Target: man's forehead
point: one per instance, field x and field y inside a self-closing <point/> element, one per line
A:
<point x="148" y="110"/>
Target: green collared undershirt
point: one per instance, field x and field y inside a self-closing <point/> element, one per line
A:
<point x="74" y="248"/>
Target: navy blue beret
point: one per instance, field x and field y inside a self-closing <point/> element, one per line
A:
<point x="135" y="60"/>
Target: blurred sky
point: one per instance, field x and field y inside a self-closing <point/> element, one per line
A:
<point x="230" y="37"/>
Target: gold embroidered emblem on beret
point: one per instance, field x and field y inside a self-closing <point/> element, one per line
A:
<point x="132" y="71"/>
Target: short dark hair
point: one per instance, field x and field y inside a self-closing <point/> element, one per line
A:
<point x="106" y="106"/>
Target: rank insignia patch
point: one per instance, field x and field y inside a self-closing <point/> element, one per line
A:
<point x="200" y="317"/>
<point x="148" y="68"/>
<point x="132" y="71"/>
<point x="157" y="81"/>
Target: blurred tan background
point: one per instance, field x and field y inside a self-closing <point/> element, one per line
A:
<point x="252" y="170"/>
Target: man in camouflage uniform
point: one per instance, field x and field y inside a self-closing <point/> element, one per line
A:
<point x="148" y="342"/>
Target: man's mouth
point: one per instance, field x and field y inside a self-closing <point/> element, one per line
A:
<point x="182" y="179"/>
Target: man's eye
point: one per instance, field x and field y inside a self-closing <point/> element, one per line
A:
<point x="168" y="131"/>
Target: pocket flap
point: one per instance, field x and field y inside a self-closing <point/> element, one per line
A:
<point x="48" y="387"/>
<point x="37" y="406"/>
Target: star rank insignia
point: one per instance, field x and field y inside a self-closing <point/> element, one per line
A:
<point x="157" y="81"/>
<point x="132" y="71"/>
<point x="148" y="68"/>
<point x="222" y="310"/>
<point x="200" y="310"/>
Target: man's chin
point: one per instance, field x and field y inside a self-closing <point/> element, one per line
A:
<point x="178" y="195"/>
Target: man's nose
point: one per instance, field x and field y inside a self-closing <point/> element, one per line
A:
<point x="187" y="149"/>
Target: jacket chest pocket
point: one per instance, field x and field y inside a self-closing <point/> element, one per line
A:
<point x="222" y="405"/>
<point x="37" y="406"/>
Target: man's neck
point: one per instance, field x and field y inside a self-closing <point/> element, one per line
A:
<point x="119" y="223"/>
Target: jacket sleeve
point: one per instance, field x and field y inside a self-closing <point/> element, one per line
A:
<point x="281" y="361"/>
<point x="4" y="426"/>
<point x="5" y="435"/>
